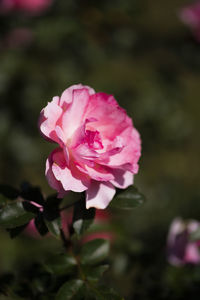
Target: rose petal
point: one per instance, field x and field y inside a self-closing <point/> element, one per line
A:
<point x="53" y="182"/>
<point x="60" y="176"/>
<point x="66" y="96"/>
<point x="99" y="194"/>
<point x="48" y="118"/>
<point x="96" y="172"/>
<point x="122" y="179"/>
<point x="70" y="177"/>
<point x="73" y="116"/>
<point x="129" y="154"/>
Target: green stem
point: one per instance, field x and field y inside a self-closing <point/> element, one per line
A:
<point x="66" y="242"/>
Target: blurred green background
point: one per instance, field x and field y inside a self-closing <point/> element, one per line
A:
<point x="140" y="52"/>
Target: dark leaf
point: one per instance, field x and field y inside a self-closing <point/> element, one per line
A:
<point x="6" y="279"/>
<point x="8" y="191"/>
<point x="98" y="292"/>
<point x="30" y="207"/>
<point x="14" y="232"/>
<point x="40" y="224"/>
<point x="93" y="274"/>
<point x="30" y="193"/>
<point x="127" y="199"/>
<point x="51" y="208"/>
<point x="70" y="290"/>
<point x="94" y="251"/>
<point x="82" y="218"/>
<point x="60" y="264"/>
<point x="14" y="215"/>
<point x="54" y="226"/>
<point x="104" y="293"/>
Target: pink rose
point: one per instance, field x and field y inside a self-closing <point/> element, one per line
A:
<point x="181" y="249"/>
<point x="98" y="147"/>
<point x="29" y="6"/>
<point x="190" y="15"/>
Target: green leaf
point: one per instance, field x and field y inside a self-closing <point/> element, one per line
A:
<point x="60" y="264"/>
<point x="3" y="200"/>
<point x="93" y="274"/>
<point x="82" y="218"/>
<point x="99" y="292"/>
<point x="14" y="232"/>
<point x="13" y="215"/>
<point x="94" y="251"/>
<point x="105" y="293"/>
<point x="54" y="226"/>
<point x="8" y="191"/>
<point x="70" y="290"/>
<point x="195" y="236"/>
<point x="128" y="199"/>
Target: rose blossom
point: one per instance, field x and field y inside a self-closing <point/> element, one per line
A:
<point x="190" y="15"/>
<point x="29" y="6"/>
<point x="98" y="148"/>
<point x="181" y="249"/>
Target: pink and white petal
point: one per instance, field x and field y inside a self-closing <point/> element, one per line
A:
<point x="129" y="155"/>
<point x="80" y="136"/>
<point x="99" y="173"/>
<point x="69" y="182"/>
<point x="61" y="140"/>
<point x="84" y="152"/>
<point x="73" y="117"/>
<point x="60" y="136"/>
<point x="95" y="171"/>
<point x="67" y="97"/>
<point x="111" y="119"/>
<point x="70" y="177"/>
<point x="192" y="254"/>
<point x="99" y="194"/>
<point x="48" y="118"/>
<point x="53" y="182"/>
<point x="122" y="179"/>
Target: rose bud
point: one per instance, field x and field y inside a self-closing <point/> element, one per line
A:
<point x="181" y="249"/>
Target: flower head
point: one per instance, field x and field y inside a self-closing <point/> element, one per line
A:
<point x="190" y="15"/>
<point x="28" y="6"/>
<point x="181" y="249"/>
<point x="98" y="147"/>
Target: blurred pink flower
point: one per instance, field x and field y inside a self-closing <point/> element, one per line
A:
<point x="181" y="250"/>
<point x="29" y="6"/>
<point x="31" y="230"/>
<point x="105" y="235"/>
<point x="98" y="148"/>
<point x="190" y="15"/>
<point x="101" y="218"/>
